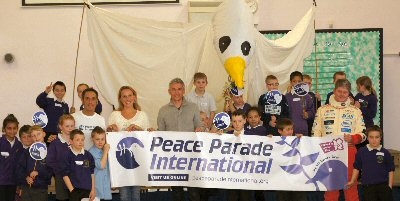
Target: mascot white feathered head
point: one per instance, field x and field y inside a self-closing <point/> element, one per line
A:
<point x="234" y="38"/>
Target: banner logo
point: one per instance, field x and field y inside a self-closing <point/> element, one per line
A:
<point x="125" y="155"/>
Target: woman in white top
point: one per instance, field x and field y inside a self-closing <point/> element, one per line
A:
<point x="128" y="117"/>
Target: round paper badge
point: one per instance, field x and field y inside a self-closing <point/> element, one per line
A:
<point x="222" y="120"/>
<point x="38" y="151"/>
<point x="236" y="91"/>
<point x="301" y="89"/>
<point x="273" y="97"/>
<point x="40" y="119"/>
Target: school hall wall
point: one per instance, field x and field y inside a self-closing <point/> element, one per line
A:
<point x="44" y="41"/>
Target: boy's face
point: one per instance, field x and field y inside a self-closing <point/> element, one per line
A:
<point x="99" y="140"/>
<point x="287" y="131"/>
<point x="253" y="118"/>
<point x="59" y="91"/>
<point x="26" y="139"/>
<point x="308" y="82"/>
<point x="339" y="77"/>
<point x="238" y="100"/>
<point x="80" y="89"/>
<point x="295" y="80"/>
<point x="67" y="126"/>
<point x="374" y="139"/>
<point x="272" y="84"/>
<point x="38" y="136"/>
<point x="238" y="122"/>
<point x="200" y="84"/>
<point x="78" y="141"/>
<point x="11" y="130"/>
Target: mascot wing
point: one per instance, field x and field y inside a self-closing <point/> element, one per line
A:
<point x="280" y="57"/>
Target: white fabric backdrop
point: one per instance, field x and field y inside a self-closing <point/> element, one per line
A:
<point x="147" y="54"/>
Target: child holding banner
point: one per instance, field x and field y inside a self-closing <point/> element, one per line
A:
<point x="78" y="170"/>
<point x="377" y="168"/>
<point x="10" y="148"/>
<point x="238" y="122"/>
<point x="285" y="128"/>
<point x="99" y="152"/>
<point x="254" y="123"/>
<point x="58" y="149"/>
<point x="34" y="175"/>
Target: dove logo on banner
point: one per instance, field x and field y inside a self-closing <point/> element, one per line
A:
<point x="38" y="151"/>
<point x="301" y="89"/>
<point x="222" y="120"/>
<point x="273" y="97"/>
<point x="125" y="152"/>
<point x="40" y="119"/>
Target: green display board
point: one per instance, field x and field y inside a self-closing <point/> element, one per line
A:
<point x="357" y="52"/>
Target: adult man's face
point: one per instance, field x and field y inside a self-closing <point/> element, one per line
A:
<point x="90" y="101"/>
<point x="176" y="90"/>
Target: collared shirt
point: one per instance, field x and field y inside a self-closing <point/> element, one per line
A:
<point x="205" y="102"/>
<point x="12" y="142"/>
<point x="62" y="139"/>
<point x="102" y="176"/>
<point x="186" y="118"/>
<point x="370" y="148"/>
<point x="82" y="151"/>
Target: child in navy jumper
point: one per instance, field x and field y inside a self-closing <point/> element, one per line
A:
<point x="254" y="123"/>
<point x="34" y="175"/>
<point x="57" y="152"/>
<point x="271" y="113"/>
<point x="10" y="150"/>
<point x="54" y="108"/>
<point x="301" y="108"/>
<point x="377" y="168"/>
<point x="366" y="100"/>
<point x="316" y="97"/>
<point x="78" y="171"/>
<point x="285" y="128"/>
<point x="238" y="122"/>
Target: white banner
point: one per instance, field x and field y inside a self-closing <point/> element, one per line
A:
<point x="225" y="161"/>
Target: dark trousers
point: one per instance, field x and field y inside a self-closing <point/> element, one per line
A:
<point x="291" y="195"/>
<point x="239" y="195"/>
<point x="77" y="194"/>
<point x="7" y="192"/>
<point x="34" y="194"/>
<point x="378" y="192"/>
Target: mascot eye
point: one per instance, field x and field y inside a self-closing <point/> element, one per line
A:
<point x="224" y="43"/>
<point x="246" y="48"/>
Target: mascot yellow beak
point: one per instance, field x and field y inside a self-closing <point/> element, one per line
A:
<point x="235" y="67"/>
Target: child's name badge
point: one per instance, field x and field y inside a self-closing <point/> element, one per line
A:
<point x="5" y="154"/>
<point x="79" y="162"/>
<point x="296" y="99"/>
<point x="380" y="153"/>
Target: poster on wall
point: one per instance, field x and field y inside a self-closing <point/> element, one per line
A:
<point x="80" y="2"/>
<point x="357" y="52"/>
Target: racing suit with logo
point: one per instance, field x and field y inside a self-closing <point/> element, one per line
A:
<point x="340" y="118"/>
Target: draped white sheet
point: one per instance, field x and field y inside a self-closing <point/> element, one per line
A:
<point x="146" y="54"/>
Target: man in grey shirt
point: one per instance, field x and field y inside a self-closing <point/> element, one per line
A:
<point x="180" y="115"/>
